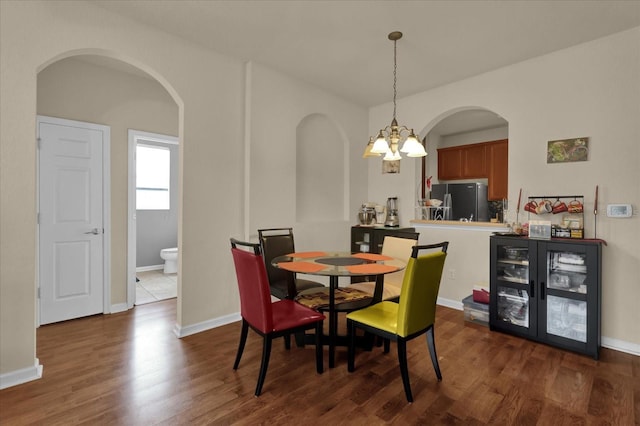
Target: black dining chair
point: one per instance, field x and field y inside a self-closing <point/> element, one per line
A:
<point x="284" y="284"/>
<point x="269" y="319"/>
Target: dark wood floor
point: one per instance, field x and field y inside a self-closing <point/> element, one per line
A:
<point x="130" y="369"/>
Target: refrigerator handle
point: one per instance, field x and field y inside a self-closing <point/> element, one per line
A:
<point x="532" y="288"/>
<point x="542" y="290"/>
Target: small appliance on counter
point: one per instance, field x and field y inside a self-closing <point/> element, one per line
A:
<point x="392" y="212"/>
<point x="367" y="215"/>
<point x="380" y="214"/>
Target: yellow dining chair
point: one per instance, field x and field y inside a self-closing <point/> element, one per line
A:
<point x="411" y="317"/>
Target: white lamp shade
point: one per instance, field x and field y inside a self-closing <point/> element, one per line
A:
<point x="380" y="146"/>
<point x="391" y="156"/>
<point x="367" y="150"/>
<point x="413" y="148"/>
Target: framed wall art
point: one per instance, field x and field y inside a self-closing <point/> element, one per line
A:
<point x="568" y="150"/>
<point x="391" y="166"/>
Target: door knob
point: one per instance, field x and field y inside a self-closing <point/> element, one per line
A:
<point x="94" y="231"/>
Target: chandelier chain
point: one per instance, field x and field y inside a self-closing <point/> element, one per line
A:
<point x="395" y="67"/>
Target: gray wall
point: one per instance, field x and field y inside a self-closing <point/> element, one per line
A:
<point x="158" y="229"/>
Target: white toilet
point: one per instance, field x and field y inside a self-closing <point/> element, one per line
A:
<point x="170" y="256"/>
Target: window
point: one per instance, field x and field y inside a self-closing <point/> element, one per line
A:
<point x="153" y="165"/>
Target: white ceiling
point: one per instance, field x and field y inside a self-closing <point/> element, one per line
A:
<point x="342" y="46"/>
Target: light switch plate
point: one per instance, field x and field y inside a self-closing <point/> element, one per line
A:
<point x="619" y="210"/>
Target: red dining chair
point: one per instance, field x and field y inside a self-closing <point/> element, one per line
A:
<point x="269" y="319"/>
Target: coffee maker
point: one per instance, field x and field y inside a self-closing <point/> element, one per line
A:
<point x="392" y="212"/>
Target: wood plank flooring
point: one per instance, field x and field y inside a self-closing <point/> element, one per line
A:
<point x="130" y="369"/>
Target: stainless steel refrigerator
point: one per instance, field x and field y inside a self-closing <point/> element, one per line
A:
<point x="466" y="200"/>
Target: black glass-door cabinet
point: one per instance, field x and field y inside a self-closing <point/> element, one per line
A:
<point x="548" y="291"/>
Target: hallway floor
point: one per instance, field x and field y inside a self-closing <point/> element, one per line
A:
<point x="155" y="285"/>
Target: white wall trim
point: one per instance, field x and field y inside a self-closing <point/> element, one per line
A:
<point x="248" y="93"/>
<point x="24" y="375"/>
<point x="119" y="307"/>
<point x="621" y="345"/>
<point x="453" y="304"/>
<point x="206" y="325"/>
<point x="149" y="268"/>
<point x="607" y="342"/>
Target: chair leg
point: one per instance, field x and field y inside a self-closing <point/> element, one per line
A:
<point x="243" y="340"/>
<point x="319" y="358"/>
<point x="432" y="351"/>
<point x="351" y="354"/>
<point x="266" y="352"/>
<point x="300" y="339"/>
<point x="287" y="341"/>
<point x="404" y="369"/>
<point x="387" y="345"/>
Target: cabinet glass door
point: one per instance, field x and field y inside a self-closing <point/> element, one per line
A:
<point x="513" y="306"/>
<point x="566" y="285"/>
<point x="567" y="318"/>
<point x="514" y="303"/>
<point x="567" y="271"/>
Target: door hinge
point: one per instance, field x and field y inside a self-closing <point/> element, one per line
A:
<point x="38" y="218"/>
<point x="39" y="142"/>
<point x="38" y="292"/>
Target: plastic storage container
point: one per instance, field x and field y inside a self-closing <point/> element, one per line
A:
<point x="475" y="312"/>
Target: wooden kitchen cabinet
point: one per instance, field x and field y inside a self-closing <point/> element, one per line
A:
<point x="462" y="162"/>
<point x="498" y="170"/>
<point x="474" y="161"/>
<point x="487" y="160"/>
<point x="449" y="163"/>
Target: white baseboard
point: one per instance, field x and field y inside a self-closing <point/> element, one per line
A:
<point x="24" y="375"/>
<point x="206" y="325"/>
<point x="149" y="268"/>
<point x="621" y="345"/>
<point x="607" y="342"/>
<point x="119" y="307"/>
<point x="453" y="304"/>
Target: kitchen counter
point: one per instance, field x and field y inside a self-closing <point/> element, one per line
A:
<point x="453" y="224"/>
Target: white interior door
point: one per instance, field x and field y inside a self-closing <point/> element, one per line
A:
<point x="71" y="219"/>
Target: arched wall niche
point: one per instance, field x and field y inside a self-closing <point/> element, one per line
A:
<point x="321" y="170"/>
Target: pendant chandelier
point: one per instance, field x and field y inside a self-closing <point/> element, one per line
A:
<point x="389" y="138"/>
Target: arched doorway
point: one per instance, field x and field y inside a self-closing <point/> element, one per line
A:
<point x="100" y="87"/>
<point x="459" y="127"/>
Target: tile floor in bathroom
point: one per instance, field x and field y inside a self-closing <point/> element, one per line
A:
<point x="155" y="285"/>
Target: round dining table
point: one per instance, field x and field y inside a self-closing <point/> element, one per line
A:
<point x="335" y="265"/>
